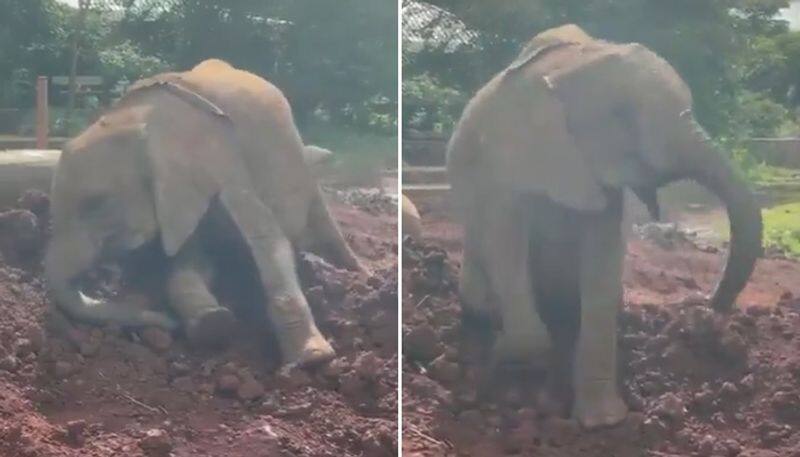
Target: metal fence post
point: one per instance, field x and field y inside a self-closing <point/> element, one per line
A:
<point x="42" y="114"/>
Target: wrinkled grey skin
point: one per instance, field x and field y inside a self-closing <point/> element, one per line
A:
<point x="538" y="163"/>
<point x="176" y="147"/>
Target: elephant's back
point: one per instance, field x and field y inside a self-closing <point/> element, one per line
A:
<point x="271" y="144"/>
<point x="267" y="140"/>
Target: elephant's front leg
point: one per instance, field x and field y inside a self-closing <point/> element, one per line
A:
<point x="597" y="399"/>
<point x="205" y="322"/>
<point x="300" y="340"/>
<point x="505" y="246"/>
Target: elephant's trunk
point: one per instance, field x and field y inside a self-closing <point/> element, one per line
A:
<point x="744" y="214"/>
<point x="64" y="263"/>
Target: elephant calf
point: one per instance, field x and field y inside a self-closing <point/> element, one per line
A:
<point x="180" y="150"/>
<point x="538" y="163"/>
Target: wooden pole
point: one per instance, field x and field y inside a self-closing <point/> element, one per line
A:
<point x="42" y="115"/>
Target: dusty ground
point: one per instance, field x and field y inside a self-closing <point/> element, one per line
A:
<point x="112" y="392"/>
<point x="699" y="384"/>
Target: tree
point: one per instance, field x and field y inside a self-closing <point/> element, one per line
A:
<point x="31" y="33"/>
<point x="704" y="39"/>
<point x="75" y="48"/>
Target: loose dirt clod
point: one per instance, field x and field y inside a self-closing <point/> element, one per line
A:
<point x="75" y="432"/>
<point x="156" y="339"/>
<point x="699" y="383"/>
<point x="250" y="390"/>
<point x="70" y="390"/>
<point x="156" y="443"/>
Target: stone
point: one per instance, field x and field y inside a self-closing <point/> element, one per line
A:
<point x="378" y="443"/>
<point x="367" y="365"/>
<point x="444" y="371"/>
<point x="335" y="368"/>
<point x="671" y="407"/>
<point x="156" y="339"/>
<point x="156" y="443"/>
<point x="250" y="390"/>
<point x="23" y="347"/>
<point x="9" y="363"/>
<point x="748" y="383"/>
<point x="228" y="384"/>
<point x="705" y="448"/>
<point x="729" y="390"/>
<point x="75" y="432"/>
<point x="422" y="344"/>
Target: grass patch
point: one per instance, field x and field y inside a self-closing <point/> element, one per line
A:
<point x="765" y="176"/>
<point x="782" y="228"/>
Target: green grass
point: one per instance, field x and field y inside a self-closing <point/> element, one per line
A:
<point x="782" y="228"/>
<point x="766" y="175"/>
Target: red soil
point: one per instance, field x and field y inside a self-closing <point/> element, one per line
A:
<point x="698" y="384"/>
<point x="82" y="391"/>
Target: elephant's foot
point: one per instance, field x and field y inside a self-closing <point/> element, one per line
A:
<point x="303" y="347"/>
<point x="212" y="328"/>
<point x="516" y="347"/>
<point x="598" y="404"/>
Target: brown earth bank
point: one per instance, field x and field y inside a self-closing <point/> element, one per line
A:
<point x="74" y="390"/>
<point x="698" y="384"/>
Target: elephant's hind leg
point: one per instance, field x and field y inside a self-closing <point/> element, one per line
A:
<point x="597" y="400"/>
<point x="505" y="247"/>
<point x="205" y="322"/>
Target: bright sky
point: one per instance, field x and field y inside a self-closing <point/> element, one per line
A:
<point x="792" y="14"/>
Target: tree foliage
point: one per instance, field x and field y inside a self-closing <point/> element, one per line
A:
<point x="337" y="58"/>
<point x="735" y="54"/>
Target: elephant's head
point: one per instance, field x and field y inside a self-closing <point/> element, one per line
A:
<point x="673" y="146"/>
<point x="629" y="123"/>
<point x="148" y="170"/>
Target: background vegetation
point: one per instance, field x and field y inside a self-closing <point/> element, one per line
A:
<point x="741" y="61"/>
<point x="335" y="60"/>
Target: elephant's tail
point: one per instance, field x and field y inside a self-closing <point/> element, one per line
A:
<point x="744" y="214"/>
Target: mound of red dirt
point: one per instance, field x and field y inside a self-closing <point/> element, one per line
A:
<point x="84" y="391"/>
<point x="699" y="384"/>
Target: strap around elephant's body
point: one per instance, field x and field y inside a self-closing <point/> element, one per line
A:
<point x="527" y="58"/>
<point x="172" y="84"/>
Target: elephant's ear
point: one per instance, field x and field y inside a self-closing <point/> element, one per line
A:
<point x="191" y="150"/>
<point x="532" y="148"/>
